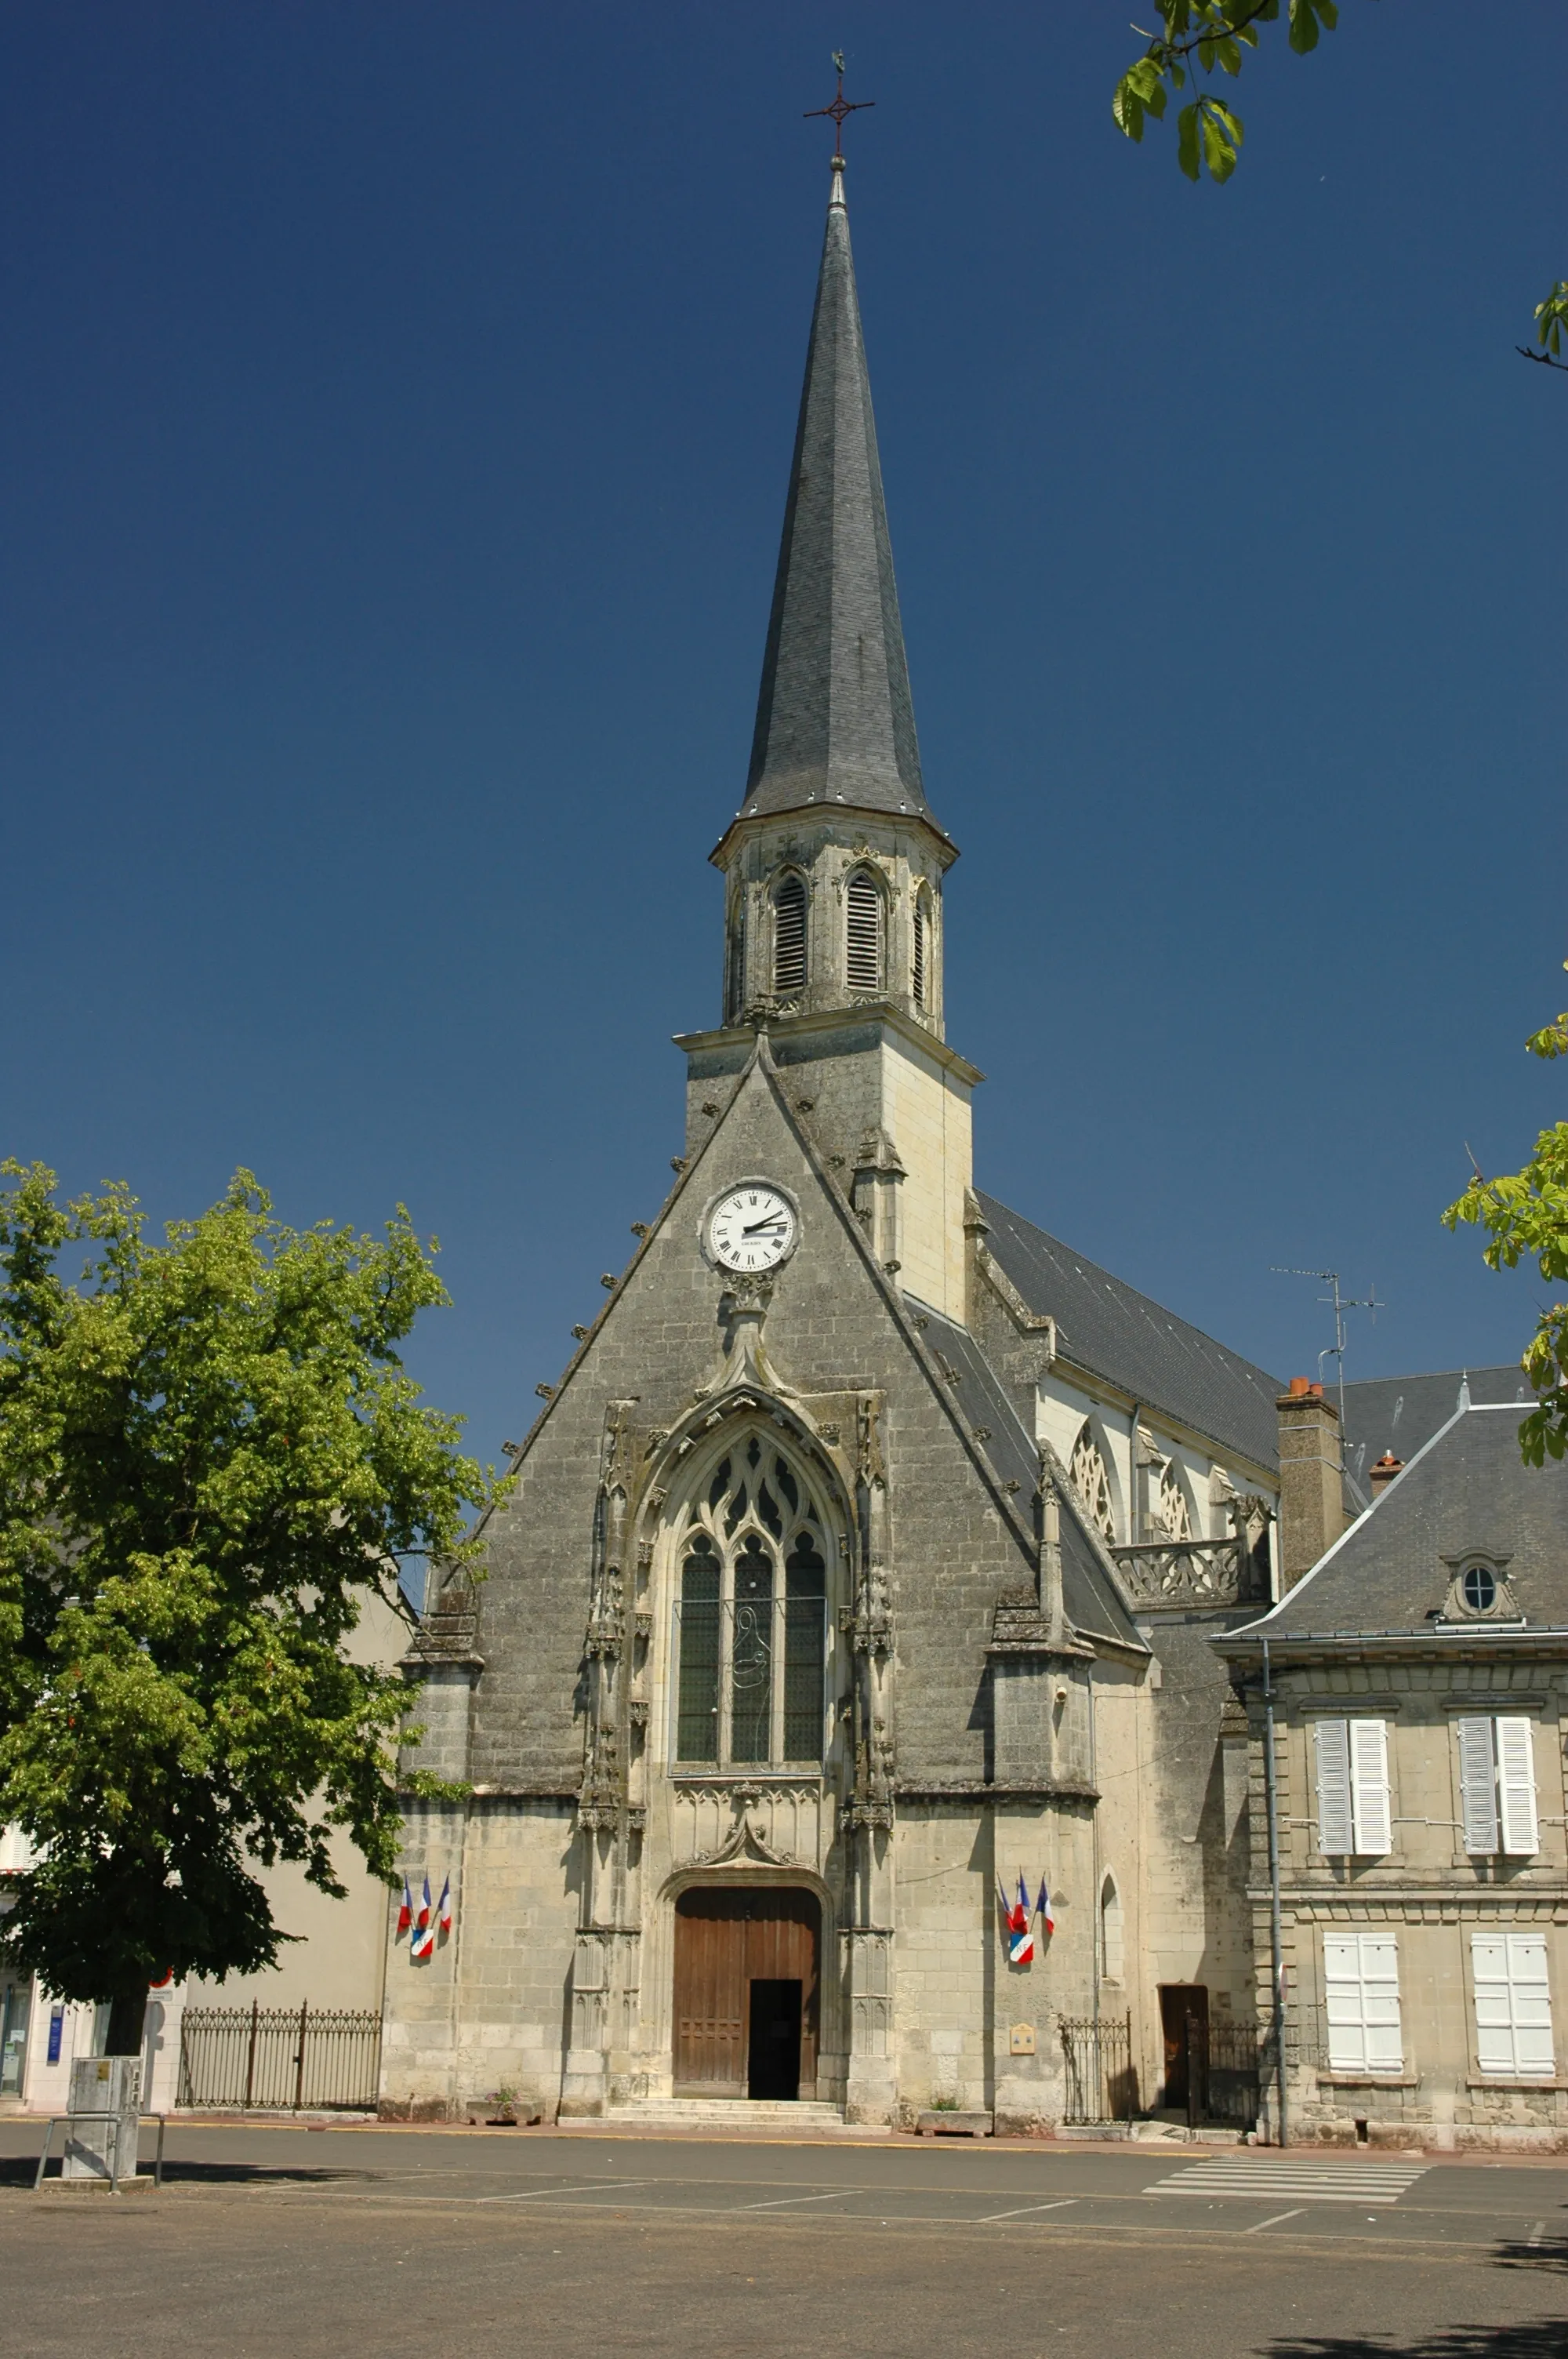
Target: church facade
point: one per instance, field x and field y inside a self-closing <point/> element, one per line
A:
<point x="864" y="1563"/>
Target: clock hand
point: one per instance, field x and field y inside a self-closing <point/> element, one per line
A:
<point x="774" y="1223"/>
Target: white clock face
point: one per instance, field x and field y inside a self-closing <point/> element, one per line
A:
<point x="751" y="1228"/>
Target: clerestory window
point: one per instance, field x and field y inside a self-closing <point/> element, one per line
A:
<point x="751" y="1634"/>
<point x="1091" y="1480"/>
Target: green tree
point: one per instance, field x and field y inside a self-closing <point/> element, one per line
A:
<point x="1199" y="37"/>
<point x="211" y="1459"/>
<point x="1526" y="1213"/>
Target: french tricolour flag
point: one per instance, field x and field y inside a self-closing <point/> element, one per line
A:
<point x="405" y="1914"/>
<point x="424" y="1939"/>
<point x="1043" y="1910"/>
<point x="444" y="1910"/>
<point x="1020" y="1925"/>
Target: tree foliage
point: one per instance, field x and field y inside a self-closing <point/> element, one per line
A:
<point x="211" y="1459"/>
<point x="1526" y="1213"/>
<point x="1198" y="36"/>
<point x="1201" y="36"/>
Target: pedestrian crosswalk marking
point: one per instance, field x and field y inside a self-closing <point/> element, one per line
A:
<point x="1325" y="2182"/>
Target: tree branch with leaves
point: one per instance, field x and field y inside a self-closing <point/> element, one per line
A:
<point x="1526" y="1214"/>
<point x="1202" y="36"/>
<point x="211" y="1460"/>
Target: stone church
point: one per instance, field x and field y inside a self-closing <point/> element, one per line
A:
<point x="867" y="1555"/>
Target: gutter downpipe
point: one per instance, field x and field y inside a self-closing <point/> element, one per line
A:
<point x="1097" y="1920"/>
<point x="1276" y="1932"/>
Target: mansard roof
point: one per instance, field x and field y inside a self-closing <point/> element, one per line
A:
<point x="1110" y="1331"/>
<point x="1088" y="1595"/>
<point x="835" y="722"/>
<point x="1402" y="1413"/>
<point x="1467" y="1490"/>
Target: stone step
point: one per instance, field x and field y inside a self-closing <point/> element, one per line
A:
<point x="806" y="2114"/>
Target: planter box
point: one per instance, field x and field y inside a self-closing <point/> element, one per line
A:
<point x="944" y="2125"/>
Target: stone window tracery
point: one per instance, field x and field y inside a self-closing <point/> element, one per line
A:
<point x="1173" y="1515"/>
<point x="750" y="1620"/>
<point x="1091" y="1480"/>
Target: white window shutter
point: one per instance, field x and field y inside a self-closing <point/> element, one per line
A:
<point x="1335" y="1830"/>
<point x="1516" y="1780"/>
<point x="1381" y="2002"/>
<point x="1513" y="2005"/>
<point x="1477" y="1786"/>
<point x="1369" y="1786"/>
<point x="1342" y="1999"/>
<point x="1361" y="1996"/>
<point x="1532" y="2005"/>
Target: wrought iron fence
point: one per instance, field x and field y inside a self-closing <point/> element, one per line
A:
<point x="280" y="2059"/>
<point x="1102" y="2079"/>
<point x="1224" y="2072"/>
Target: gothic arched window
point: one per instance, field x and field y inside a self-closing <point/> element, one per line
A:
<point x="1091" y="1480"/>
<point x="789" y="938"/>
<point x="1174" y="1515"/>
<point x="920" y="962"/>
<point x="1112" y="1933"/>
<point x="864" y="961"/>
<point x="751" y="1615"/>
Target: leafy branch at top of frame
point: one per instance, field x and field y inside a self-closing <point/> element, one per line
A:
<point x="1196" y="36"/>
<point x="1550" y="321"/>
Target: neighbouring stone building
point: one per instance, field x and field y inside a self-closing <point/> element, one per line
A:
<point x="1417" y="1680"/>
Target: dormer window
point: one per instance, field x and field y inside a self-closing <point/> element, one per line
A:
<point x="789" y="938"/>
<point x="1480" y="1590"/>
<point x="1478" y="1587"/>
<point x="864" y="903"/>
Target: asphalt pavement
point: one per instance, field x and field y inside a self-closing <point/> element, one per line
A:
<point x="339" y="2241"/>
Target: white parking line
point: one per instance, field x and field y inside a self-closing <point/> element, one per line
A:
<point x="1025" y="2208"/>
<point x="1259" y="2226"/>
<point x="779" y="2202"/>
<point x="542" y="2194"/>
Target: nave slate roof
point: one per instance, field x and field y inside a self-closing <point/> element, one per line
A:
<point x="1109" y="1329"/>
<point x="1468" y="1490"/>
<point x="1088" y="1593"/>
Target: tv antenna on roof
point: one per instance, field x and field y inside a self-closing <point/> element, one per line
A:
<point x="1342" y="1303"/>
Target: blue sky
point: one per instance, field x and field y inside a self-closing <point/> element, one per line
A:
<point x="396" y="407"/>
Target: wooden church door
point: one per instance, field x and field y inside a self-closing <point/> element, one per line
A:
<point x="746" y="1993"/>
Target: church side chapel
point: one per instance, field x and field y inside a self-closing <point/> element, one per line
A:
<point x="864" y="1564"/>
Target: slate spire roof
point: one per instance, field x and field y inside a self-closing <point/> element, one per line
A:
<point x="834" y="719"/>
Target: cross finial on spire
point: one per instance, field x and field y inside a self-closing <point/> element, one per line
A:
<point x="840" y="107"/>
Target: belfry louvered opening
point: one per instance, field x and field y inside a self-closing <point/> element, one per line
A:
<point x="921" y="921"/>
<point x="789" y="938"/>
<point x="865" y="936"/>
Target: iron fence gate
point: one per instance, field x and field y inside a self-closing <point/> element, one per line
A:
<point x="280" y="2059"/>
<point x="1228" y="2074"/>
<point x="1102" y="2080"/>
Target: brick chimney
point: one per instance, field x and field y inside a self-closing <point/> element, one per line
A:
<point x="1312" y="1501"/>
<point x="1381" y="1474"/>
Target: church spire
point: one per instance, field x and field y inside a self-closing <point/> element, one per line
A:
<point x="835" y="723"/>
